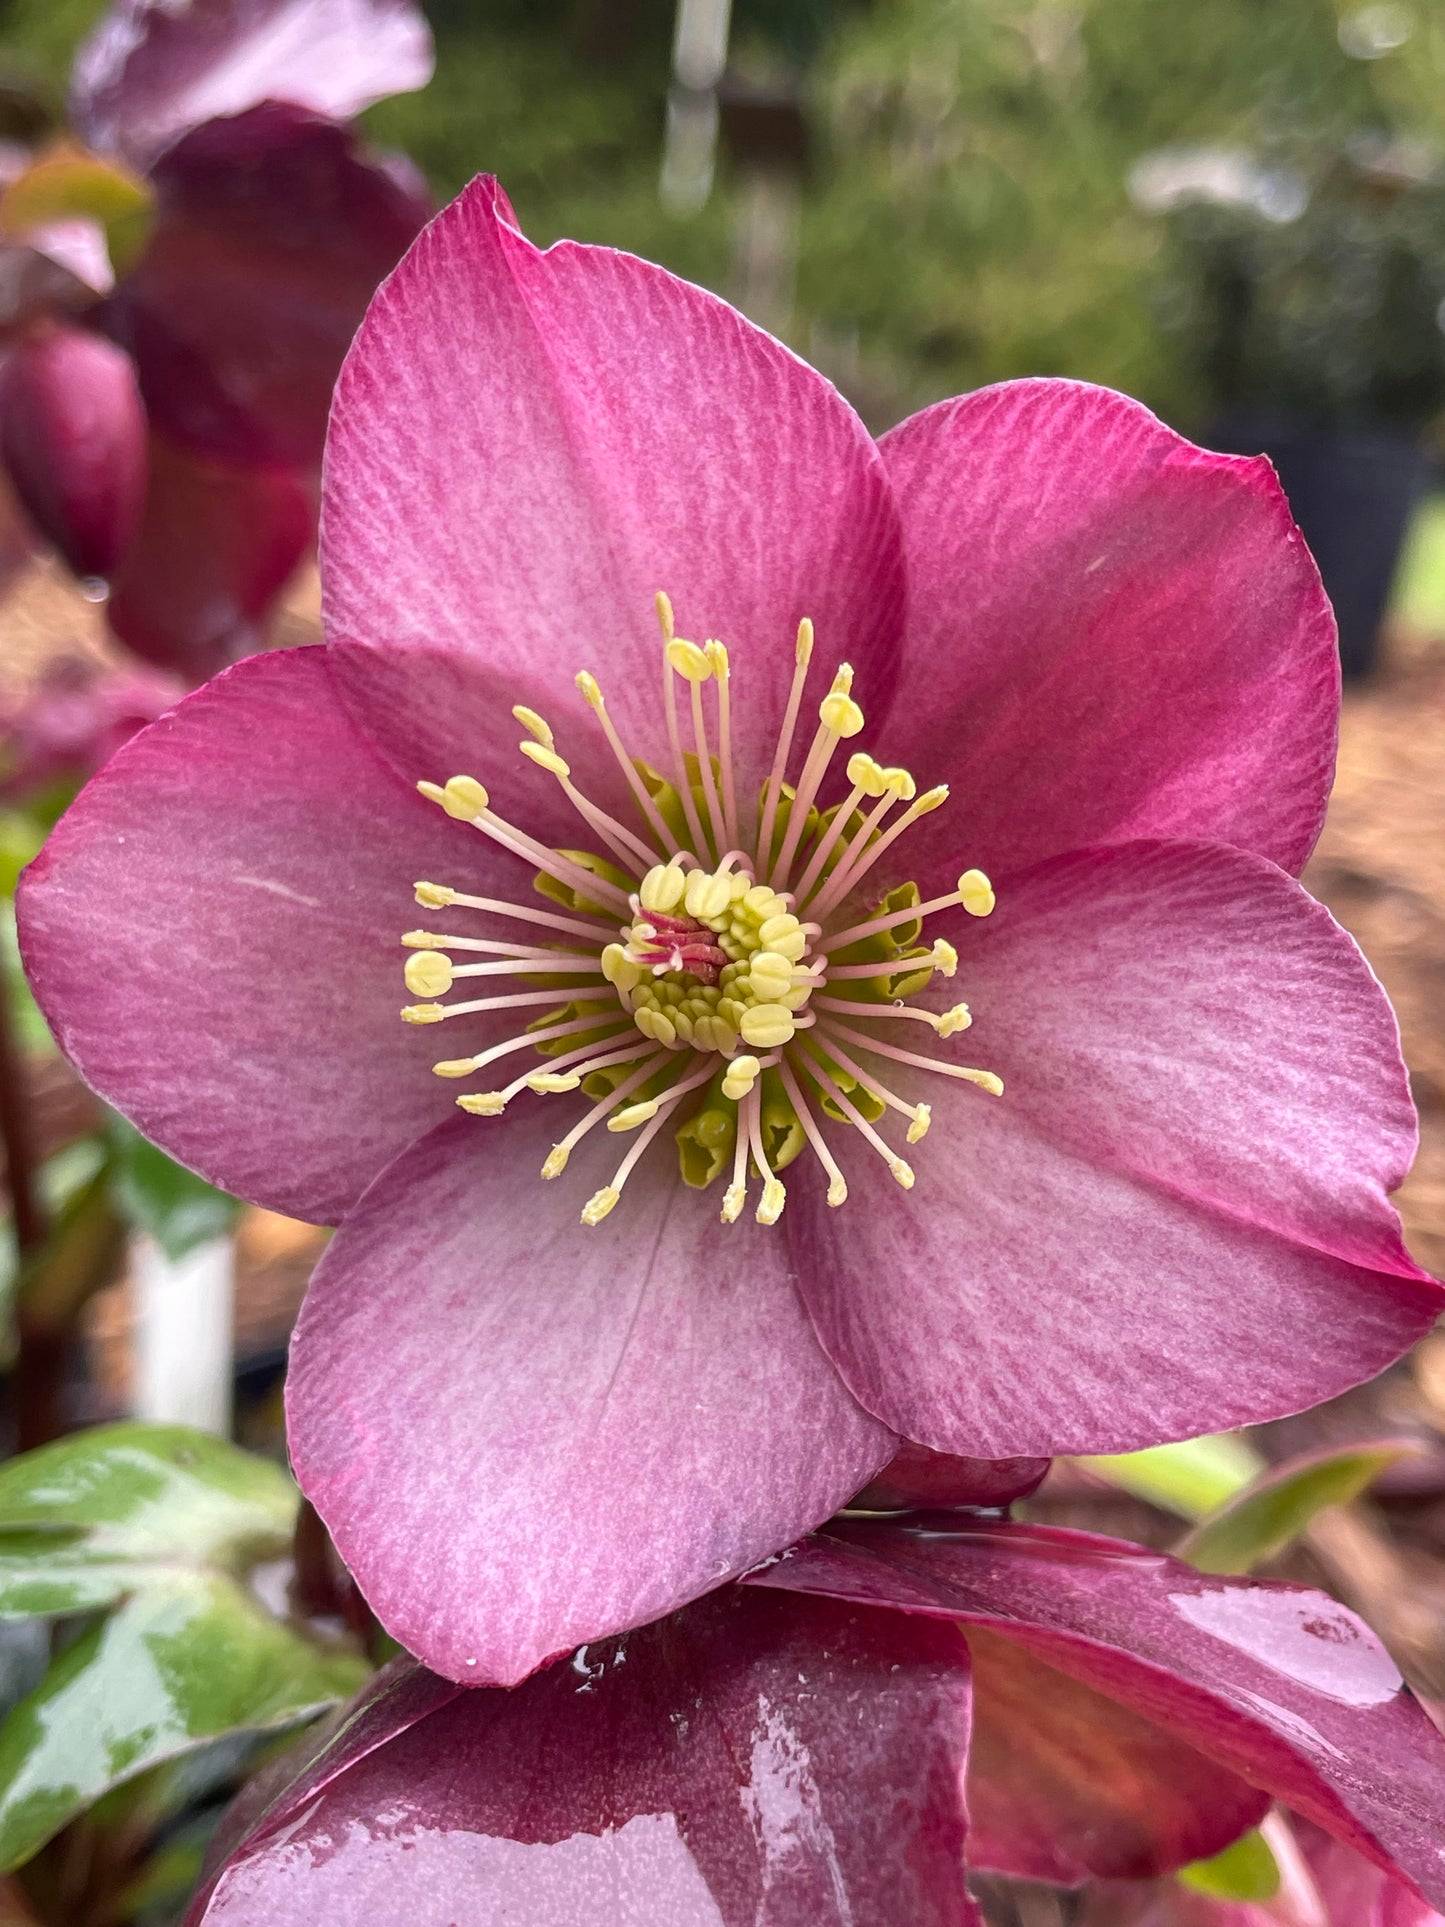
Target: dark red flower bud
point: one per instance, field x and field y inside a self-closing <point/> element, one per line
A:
<point x="73" y="438"/>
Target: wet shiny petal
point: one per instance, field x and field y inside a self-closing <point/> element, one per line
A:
<point x="741" y="1764"/>
<point x="1280" y="1685"/>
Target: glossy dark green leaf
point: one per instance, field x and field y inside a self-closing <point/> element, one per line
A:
<point x="102" y="1513"/>
<point x="1247" y="1870"/>
<point x="1263" y="1518"/>
<point x="181" y="1663"/>
<point x="178" y="1209"/>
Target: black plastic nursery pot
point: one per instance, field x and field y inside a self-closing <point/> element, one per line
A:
<point x="1352" y="491"/>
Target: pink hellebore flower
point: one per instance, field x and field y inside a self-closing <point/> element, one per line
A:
<point x="957" y="1695"/>
<point x="1153" y="1198"/>
<point x="178" y="460"/>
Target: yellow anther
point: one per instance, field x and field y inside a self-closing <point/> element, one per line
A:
<point x="930" y="800"/>
<point x="986" y="1081"/>
<point x="767" y="1025"/>
<point x="840" y="714"/>
<point x="774" y="1197"/>
<point x="546" y="759"/>
<point x="783" y="934"/>
<point x="619" y="969"/>
<point x="975" y="893"/>
<point x="423" y="1014"/>
<point x="688" y="660"/>
<point x="590" y="687"/>
<point x="838" y="1191"/>
<point x="632" y="1115"/>
<point x="843" y="680"/>
<point x="717" y="655"/>
<point x="944" y="958"/>
<point x="653" y="1024"/>
<point x="662" y="888"/>
<point x="902" y="1172"/>
<point x="664" y="614"/>
<point x="462" y="797"/>
<point x="599" y="1204"/>
<point x="465" y="798"/>
<point x="707" y="894"/>
<point x="734" y="1199"/>
<point x="533" y="723"/>
<point x="866" y="774"/>
<point x="454" y="1067"/>
<point x="922" y="1118"/>
<point x="741" y="1075"/>
<point x="901" y="783"/>
<point x="483" y="1103"/>
<point x="434" y="896"/>
<point x="770" y="974"/>
<point x="422" y="940"/>
<point x="556" y="1161"/>
<point x="953" y="1021"/>
<point x="428" y="973"/>
<point x="549" y="1083"/>
<point x="802" y="650"/>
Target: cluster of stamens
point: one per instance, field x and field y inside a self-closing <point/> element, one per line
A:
<point x="685" y="978"/>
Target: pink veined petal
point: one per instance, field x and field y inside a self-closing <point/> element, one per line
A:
<point x="1203" y="1110"/>
<point x="1065" y="1784"/>
<point x="213" y="933"/>
<point x="217" y="544"/>
<point x="152" y="70"/>
<point x="524" y="1432"/>
<point x="1279" y="1684"/>
<point x="272" y="231"/>
<point x="527" y="445"/>
<point x="1112" y="633"/>
<point x="1187" y="1013"/>
<point x="746" y="1763"/>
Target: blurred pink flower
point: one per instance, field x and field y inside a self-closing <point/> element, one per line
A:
<point x="75" y="719"/>
<point x="524" y="1430"/>
<point x="272" y="225"/>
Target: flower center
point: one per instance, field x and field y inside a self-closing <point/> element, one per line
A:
<point x="709" y="975"/>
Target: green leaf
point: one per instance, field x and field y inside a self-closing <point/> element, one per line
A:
<point x="80" y="1254"/>
<point x="1278" y="1506"/>
<point x="1247" y="1870"/>
<point x="68" y="184"/>
<point x="1190" y="1478"/>
<point x="180" y="1664"/>
<point x="178" y="1209"/>
<point x="105" y="1512"/>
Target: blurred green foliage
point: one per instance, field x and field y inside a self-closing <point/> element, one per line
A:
<point x="966" y="214"/>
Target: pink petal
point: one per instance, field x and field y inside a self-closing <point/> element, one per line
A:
<point x="218" y="543"/>
<point x="1203" y="1110"/>
<point x="526" y="446"/>
<point x="212" y="931"/>
<point x="1278" y="1684"/>
<point x="272" y="232"/>
<point x="523" y="1432"/>
<point x="73" y="437"/>
<point x="1065" y="1784"/>
<point x="151" y="70"/>
<point x="1112" y="633"/>
<point x="794" y="1766"/>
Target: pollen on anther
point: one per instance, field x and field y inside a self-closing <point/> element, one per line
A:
<point x="483" y="1103"/>
<point x="599" y="1204"/>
